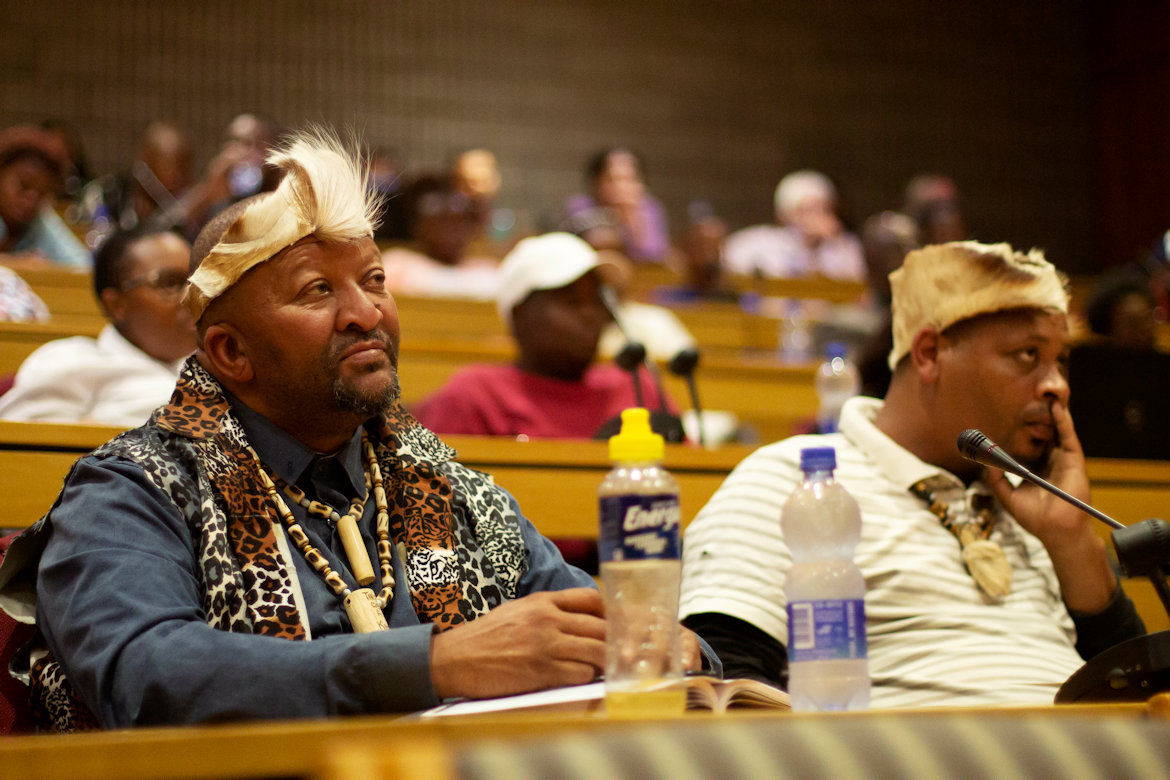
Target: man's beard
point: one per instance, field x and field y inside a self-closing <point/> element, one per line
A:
<point x="365" y="404"/>
<point x="348" y="398"/>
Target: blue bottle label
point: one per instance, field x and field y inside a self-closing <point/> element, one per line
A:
<point x="634" y="527"/>
<point x="829" y="630"/>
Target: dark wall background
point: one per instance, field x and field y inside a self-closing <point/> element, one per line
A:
<point x="722" y="99"/>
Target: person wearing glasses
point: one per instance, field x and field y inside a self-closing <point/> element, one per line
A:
<point x="120" y="377"/>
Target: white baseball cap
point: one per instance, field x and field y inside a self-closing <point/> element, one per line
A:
<point x="546" y="262"/>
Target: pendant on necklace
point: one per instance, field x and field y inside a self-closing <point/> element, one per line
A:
<point x="355" y="550"/>
<point x="989" y="567"/>
<point x="361" y="606"/>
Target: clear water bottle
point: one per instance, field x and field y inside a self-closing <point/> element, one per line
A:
<point x="640" y="575"/>
<point x="827" y="666"/>
<point x="795" y="333"/>
<point x="837" y="381"/>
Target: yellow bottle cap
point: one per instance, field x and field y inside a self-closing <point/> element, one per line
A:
<point x="636" y="443"/>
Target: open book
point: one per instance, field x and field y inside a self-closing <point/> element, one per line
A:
<point x="703" y="693"/>
<point x="708" y="693"/>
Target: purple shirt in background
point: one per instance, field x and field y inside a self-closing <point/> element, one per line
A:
<point x="652" y="245"/>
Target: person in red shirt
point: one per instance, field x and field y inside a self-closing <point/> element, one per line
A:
<point x="550" y="296"/>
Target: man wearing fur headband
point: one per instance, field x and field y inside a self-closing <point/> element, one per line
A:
<point x="979" y="591"/>
<point x="284" y="495"/>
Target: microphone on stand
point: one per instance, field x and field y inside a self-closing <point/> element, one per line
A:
<point x="683" y="364"/>
<point x="1137" y="668"/>
<point x="633" y="354"/>
<point x="631" y="358"/>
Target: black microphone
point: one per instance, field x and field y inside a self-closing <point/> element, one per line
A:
<point x="633" y="356"/>
<point x="976" y="447"/>
<point x="630" y="359"/>
<point x="683" y="364"/>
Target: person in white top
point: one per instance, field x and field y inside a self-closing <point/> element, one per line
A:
<point x="980" y="341"/>
<point x="131" y="368"/>
<point x="809" y="240"/>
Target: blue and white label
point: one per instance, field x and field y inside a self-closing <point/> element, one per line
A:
<point x="830" y="630"/>
<point x="635" y="527"/>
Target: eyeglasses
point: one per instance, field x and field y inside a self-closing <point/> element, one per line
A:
<point x="168" y="283"/>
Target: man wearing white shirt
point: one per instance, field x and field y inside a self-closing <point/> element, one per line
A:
<point x="808" y="241"/>
<point x="980" y="341"/>
<point x="130" y="369"/>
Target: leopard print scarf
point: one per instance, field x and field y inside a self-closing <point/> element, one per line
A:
<point x="464" y="553"/>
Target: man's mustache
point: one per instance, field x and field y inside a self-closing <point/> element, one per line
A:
<point x="349" y="339"/>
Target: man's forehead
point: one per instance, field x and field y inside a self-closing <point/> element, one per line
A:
<point x="312" y="249"/>
<point x="1021" y="322"/>
<point x="159" y="248"/>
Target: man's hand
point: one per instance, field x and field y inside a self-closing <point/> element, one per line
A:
<point x="1077" y="552"/>
<point x="1048" y="517"/>
<point x="539" y="641"/>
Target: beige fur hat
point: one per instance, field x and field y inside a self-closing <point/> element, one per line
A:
<point x="940" y="285"/>
<point x="323" y="193"/>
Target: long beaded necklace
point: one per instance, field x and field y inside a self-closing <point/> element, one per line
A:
<point x="362" y="606"/>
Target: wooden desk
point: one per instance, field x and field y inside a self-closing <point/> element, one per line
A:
<point x="426" y="748"/>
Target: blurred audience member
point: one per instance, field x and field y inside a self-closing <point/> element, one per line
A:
<point x="886" y="238"/>
<point x="160" y="176"/>
<point x="475" y="175"/>
<point x="78" y="173"/>
<point x="33" y="166"/>
<point x="437" y="263"/>
<point x="1154" y="269"/>
<point x="702" y="252"/>
<point x="237" y="171"/>
<point x="385" y="179"/>
<point x="932" y="201"/>
<point x="131" y="368"/>
<point x="615" y="178"/>
<point x="551" y="300"/>
<point x="1120" y="310"/>
<point x="18" y="303"/>
<point x="809" y="239"/>
<point x="655" y="327"/>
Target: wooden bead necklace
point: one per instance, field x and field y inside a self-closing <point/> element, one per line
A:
<point x="362" y="606"/>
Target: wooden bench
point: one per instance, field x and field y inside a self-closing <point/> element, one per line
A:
<point x="554" y="481"/>
<point x="649" y="276"/>
<point x="64" y="291"/>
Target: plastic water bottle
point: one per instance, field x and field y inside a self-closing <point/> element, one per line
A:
<point x="795" y="334"/>
<point x="640" y="574"/>
<point x="837" y="381"/>
<point x="827" y="666"/>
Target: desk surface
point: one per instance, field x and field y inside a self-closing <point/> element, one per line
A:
<point x="302" y="747"/>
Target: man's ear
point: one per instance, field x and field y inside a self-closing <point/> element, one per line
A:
<point x="113" y="303"/>
<point x="924" y="354"/>
<point x="227" y="353"/>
